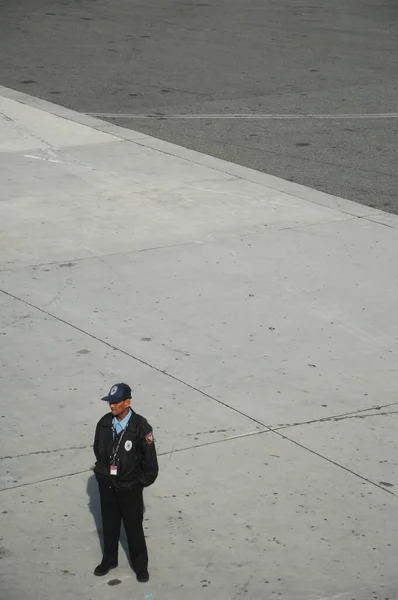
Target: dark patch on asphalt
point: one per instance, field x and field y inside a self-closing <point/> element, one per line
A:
<point x="386" y="484"/>
<point x="84" y="351"/>
<point x="114" y="582"/>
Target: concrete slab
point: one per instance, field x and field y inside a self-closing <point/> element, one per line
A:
<point x="254" y="322"/>
<point x="251" y="518"/>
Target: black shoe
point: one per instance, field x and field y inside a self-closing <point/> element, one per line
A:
<point x="104" y="568"/>
<point x="143" y="576"/>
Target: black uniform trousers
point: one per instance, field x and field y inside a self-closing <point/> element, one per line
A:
<point x="127" y="505"/>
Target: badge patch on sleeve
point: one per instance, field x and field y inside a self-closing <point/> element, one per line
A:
<point x="149" y="438"/>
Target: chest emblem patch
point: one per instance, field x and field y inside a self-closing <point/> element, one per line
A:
<point x="128" y="445"/>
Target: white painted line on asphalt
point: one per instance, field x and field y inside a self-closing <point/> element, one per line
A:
<point x="109" y="115"/>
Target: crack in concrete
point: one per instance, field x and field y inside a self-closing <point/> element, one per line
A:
<point x="331" y="222"/>
<point x="252" y="434"/>
<point x="244" y="588"/>
<point x="6" y="117"/>
<point x="98" y="257"/>
<point x="168" y="453"/>
<point x="206" y="240"/>
<point x="379" y="223"/>
<point x="380" y="414"/>
<point x="22" y="129"/>
<point x="341" y="417"/>
<point x="44" y="452"/>
<point x="16" y="320"/>
<point x="86" y="447"/>
<point x="270" y="429"/>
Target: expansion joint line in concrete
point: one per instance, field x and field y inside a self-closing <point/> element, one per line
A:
<point x="374" y="411"/>
<point x="199" y="391"/>
<point x="248" y="234"/>
<point x="168" y="453"/>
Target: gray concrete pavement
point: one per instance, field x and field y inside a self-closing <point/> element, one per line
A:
<point x="254" y="319"/>
<point x="175" y="57"/>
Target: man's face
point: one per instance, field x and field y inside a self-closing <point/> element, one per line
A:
<point x="119" y="408"/>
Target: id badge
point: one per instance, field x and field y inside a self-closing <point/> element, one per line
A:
<point x="113" y="469"/>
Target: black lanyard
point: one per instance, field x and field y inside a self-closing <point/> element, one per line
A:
<point x="116" y="450"/>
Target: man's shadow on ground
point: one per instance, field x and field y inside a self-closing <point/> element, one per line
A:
<point x="95" y="509"/>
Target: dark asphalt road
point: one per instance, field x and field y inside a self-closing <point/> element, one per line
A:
<point x="222" y="57"/>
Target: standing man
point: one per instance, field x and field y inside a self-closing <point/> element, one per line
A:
<point x="126" y="463"/>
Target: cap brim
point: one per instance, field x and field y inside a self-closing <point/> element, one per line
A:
<point x="111" y="399"/>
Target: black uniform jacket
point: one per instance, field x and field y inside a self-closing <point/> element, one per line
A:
<point x="136" y="460"/>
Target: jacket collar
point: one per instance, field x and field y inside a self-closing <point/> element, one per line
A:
<point x="108" y="419"/>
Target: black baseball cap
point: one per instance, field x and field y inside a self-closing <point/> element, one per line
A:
<point x="118" y="393"/>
